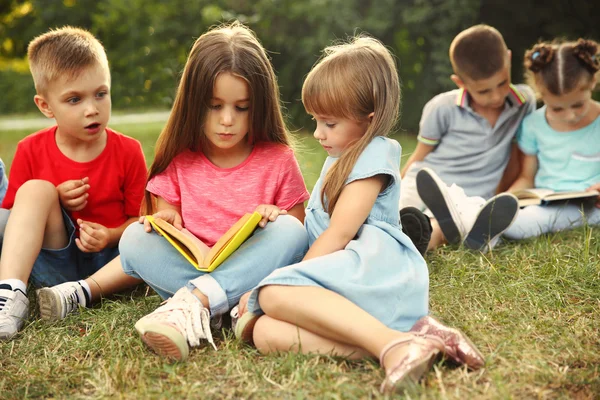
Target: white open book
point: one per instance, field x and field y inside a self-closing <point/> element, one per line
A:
<point x="536" y="196"/>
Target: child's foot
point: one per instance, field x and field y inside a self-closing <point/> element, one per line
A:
<point x="176" y="325"/>
<point x="58" y="301"/>
<point x="495" y="217"/>
<point x="243" y="325"/>
<point x="417" y="227"/>
<point x="14" y="307"/>
<point x="406" y="360"/>
<point x="434" y="193"/>
<point x="457" y="346"/>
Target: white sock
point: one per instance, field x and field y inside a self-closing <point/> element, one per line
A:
<point x="15" y="284"/>
<point x="86" y="287"/>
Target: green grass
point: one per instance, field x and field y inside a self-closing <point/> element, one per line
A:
<point x="532" y="307"/>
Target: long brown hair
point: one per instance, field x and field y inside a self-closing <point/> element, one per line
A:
<point x="230" y="48"/>
<point x="561" y="67"/>
<point x="351" y="81"/>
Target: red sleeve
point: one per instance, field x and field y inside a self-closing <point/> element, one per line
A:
<point x="292" y="189"/>
<point x="135" y="180"/>
<point x="20" y="172"/>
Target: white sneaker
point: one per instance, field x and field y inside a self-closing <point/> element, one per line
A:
<point x="14" y="308"/>
<point x="493" y="218"/>
<point x="454" y="211"/>
<point x="179" y="323"/>
<point x="58" y="301"/>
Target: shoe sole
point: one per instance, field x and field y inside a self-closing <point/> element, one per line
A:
<point x="493" y="219"/>
<point x="50" y="305"/>
<point x="431" y="194"/>
<point x="245" y="327"/>
<point x="412" y="378"/>
<point x="410" y="217"/>
<point x="164" y="340"/>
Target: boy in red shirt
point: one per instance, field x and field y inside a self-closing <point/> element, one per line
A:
<point x="74" y="187"/>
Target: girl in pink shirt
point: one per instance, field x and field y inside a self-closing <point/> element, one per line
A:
<point x="224" y="152"/>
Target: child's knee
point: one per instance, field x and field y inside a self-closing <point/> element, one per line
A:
<point x="271" y="298"/>
<point x="37" y="190"/>
<point x="266" y="336"/>
<point x="289" y="230"/>
<point x="133" y="243"/>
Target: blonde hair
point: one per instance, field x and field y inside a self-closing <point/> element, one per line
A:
<point x="561" y="67"/>
<point x="351" y="81"/>
<point x="63" y="52"/>
<point x="478" y="52"/>
<point x="231" y="48"/>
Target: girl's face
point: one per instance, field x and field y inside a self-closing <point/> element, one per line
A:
<point x="568" y="110"/>
<point x="228" y="115"/>
<point x="336" y="134"/>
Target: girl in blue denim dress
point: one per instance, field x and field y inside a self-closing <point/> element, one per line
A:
<point x="362" y="284"/>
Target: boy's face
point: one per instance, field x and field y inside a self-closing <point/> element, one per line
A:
<point x="489" y="93"/>
<point x="81" y="105"/>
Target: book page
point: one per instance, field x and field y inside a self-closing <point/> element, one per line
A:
<point x="535" y="193"/>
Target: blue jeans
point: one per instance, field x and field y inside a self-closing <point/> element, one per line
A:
<point x="150" y="257"/>
<point x="55" y="266"/>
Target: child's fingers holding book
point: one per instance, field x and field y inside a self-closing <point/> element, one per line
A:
<point x="171" y="216"/>
<point x="595" y="187"/>
<point x="269" y="212"/>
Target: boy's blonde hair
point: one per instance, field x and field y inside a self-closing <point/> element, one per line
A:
<point x="561" y="66"/>
<point x="63" y="52"/>
<point x="478" y="52"/>
<point x="351" y="81"/>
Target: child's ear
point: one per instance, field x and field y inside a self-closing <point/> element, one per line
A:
<point x="456" y="79"/>
<point x="509" y="54"/>
<point x="370" y="116"/>
<point x="43" y="106"/>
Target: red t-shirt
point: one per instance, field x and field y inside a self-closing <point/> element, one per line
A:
<point x="117" y="175"/>
<point x="212" y="199"/>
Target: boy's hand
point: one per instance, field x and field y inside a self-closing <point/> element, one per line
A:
<point x="269" y="212"/>
<point x="595" y="187"/>
<point x="93" y="237"/>
<point x="73" y="194"/>
<point x="169" y="215"/>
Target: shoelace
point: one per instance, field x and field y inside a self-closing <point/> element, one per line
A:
<point x="70" y="296"/>
<point x="189" y="316"/>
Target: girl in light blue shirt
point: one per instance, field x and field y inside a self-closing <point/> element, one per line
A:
<point x="561" y="140"/>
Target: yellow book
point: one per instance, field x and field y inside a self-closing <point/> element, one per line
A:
<point x="538" y="196"/>
<point x="201" y="256"/>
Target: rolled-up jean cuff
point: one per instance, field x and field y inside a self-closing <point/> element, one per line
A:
<point x="217" y="298"/>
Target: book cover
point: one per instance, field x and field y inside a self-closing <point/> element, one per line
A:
<point x="538" y="196"/>
<point x="202" y="257"/>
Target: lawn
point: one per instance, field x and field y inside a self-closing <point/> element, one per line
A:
<point x="532" y="307"/>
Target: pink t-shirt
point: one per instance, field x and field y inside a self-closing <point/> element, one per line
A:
<point x="212" y="199"/>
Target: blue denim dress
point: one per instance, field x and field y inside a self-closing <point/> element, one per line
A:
<point x="380" y="270"/>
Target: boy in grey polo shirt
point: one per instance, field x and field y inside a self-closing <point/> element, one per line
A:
<point x="466" y="141"/>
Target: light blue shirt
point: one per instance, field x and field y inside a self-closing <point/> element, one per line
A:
<point x="468" y="150"/>
<point x="3" y="181"/>
<point x="567" y="161"/>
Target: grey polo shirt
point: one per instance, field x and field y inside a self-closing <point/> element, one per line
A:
<point x="468" y="151"/>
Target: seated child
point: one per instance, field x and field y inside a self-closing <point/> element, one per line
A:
<point x="561" y="140"/>
<point x="71" y="192"/>
<point x="362" y="288"/>
<point x="465" y="141"/>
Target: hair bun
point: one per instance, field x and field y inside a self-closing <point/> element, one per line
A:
<point x="587" y="52"/>
<point x="539" y="56"/>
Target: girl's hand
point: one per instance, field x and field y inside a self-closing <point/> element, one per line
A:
<point x="169" y="215"/>
<point x="73" y="194"/>
<point x="595" y="187"/>
<point x="93" y="237"/>
<point x="243" y="304"/>
<point x="269" y="212"/>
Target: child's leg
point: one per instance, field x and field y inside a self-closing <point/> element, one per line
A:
<point x="272" y="335"/>
<point x="35" y="222"/>
<point x="332" y="318"/>
<point x="437" y="236"/>
<point x="537" y="220"/>
<point x="110" y="279"/>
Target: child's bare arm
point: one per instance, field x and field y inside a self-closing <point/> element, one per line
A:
<point x="512" y="170"/>
<point x="529" y="167"/>
<point x="419" y="154"/>
<point x="350" y="213"/>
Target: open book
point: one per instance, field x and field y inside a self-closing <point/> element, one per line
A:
<point x="201" y="256"/>
<point x="537" y="196"/>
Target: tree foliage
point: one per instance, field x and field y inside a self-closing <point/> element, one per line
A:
<point x="147" y="41"/>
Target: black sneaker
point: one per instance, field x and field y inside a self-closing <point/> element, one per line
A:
<point x="416" y="226"/>
<point x="494" y="218"/>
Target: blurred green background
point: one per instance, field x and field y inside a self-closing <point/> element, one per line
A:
<point x="147" y="40"/>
